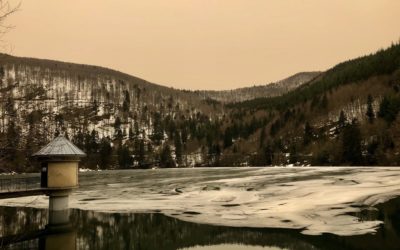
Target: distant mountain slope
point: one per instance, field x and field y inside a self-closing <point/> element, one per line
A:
<point x="359" y="69"/>
<point x="268" y="90"/>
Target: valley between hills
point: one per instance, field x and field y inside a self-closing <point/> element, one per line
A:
<point x="347" y="115"/>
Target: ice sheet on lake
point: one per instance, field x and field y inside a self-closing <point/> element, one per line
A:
<point x="316" y="200"/>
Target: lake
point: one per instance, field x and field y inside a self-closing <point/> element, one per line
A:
<point x="218" y="208"/>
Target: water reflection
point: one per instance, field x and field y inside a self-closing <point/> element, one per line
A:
<point x="230" y="247"/>
<point x="26" y="228"/>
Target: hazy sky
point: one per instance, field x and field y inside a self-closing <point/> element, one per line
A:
<point x="204" y="44"/>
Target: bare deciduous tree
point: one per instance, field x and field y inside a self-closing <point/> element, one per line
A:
<point x="6" y="9"/>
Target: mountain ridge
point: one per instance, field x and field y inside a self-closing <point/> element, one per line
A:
<point x="229" y="95"/>
<point x="257" y="91"/>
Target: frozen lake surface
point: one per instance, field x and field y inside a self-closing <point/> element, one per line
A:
<point x="315" y="200"/>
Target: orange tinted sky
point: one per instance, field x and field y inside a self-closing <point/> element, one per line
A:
<point x="204" y="44"/>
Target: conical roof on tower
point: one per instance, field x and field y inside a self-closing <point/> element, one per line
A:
<point x="60" y="147"/>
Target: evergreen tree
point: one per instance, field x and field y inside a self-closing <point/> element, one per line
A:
<point x="389" y="108"/>
<point x="59" y="119"/>
<point x="137" y="143"/>
<point x="2" y="73"/>
<point x="321" y="158"/>
<point x="370" y="111"/>
<point x="371" y="157"/>
<point x="262" y="137"/>
<point x="95" y="107"/>
<point x="79" y="139"/>
<point x="314" y="102"/>
<point x="170" y="103"/>
<point x="87" y="139"/>
<point x="351" y="145"/>
<point x="214" y="153"/>
<point x="257" y="159"/>
<point x="275" y="127"/>
<point x="217" y="150"/>
<point x="124" y="157"/>
<point x="293" y="157"/>
<point x="105" y="153"/>
<point x="118" y="135"/>
<point x="9" y="107"/>
<point x="308" y="134"/>
<point x="138" y="93"/>
<point x="136" y="128"/>
<point x="324" y="102"/>
<point x="158" y="130"/>
<point x="131" y="135"/>
<point x="342" y="120"/>
<point x="141" y="154"/>
<point x="228" y="138"/>
<point x="57" y="133"/>
<point x="126" y="102"/>
<point x="166" y="160"/>
<point x="171" y="127"/>
<point x="269" y="154"/>
<point x="184" y="135"/>
<point x="66" y="135"/>
<point x="93" y="141"/>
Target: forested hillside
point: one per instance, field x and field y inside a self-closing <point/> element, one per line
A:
<point x="119" y="120"/>
<point x="347" y="115"/>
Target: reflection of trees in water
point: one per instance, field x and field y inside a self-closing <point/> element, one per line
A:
<point x="15" y="220"/>
<point x="155" y="231"/>
<point x="16" y="223"/>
